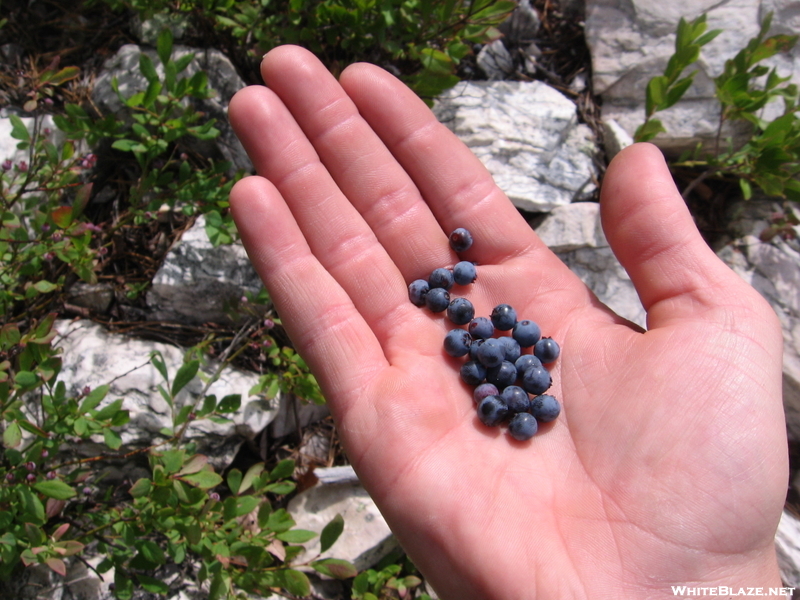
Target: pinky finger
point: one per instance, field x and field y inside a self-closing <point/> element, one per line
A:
<point x="318" y="315"/>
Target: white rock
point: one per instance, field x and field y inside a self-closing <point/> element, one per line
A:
<point x="575" y="234"/>
<point x="93" y="357"/>
<point x="528" y="136"/>
<point x="366" y="537"/>
<point x="200" y="283"/>
<point x="616" y="138"/>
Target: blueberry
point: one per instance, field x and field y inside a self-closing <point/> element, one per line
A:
<point x="473" y="372"/>
<point x="516" y="398"/>
<point x="473" y="349"/>
<point x="460" y="311"/>
<point x="511" y="348"/>
<point x="492" y="410"/>
<point x="441" y="278"/>
<point x="490" y="353"/>
<point x="546" y="350"/>
<point x="502" y="375"/>
<point x="523" y="426"/>
<point x="545" y="408"/>
<point x="483" y="390"/>
<point x="525" y="362"/>
<point x="460" y="240"/>
<point x="437" y="299"/>
<point x="527" y="333"/>
<point x="481" y="327"/>
<point x="536" y="380"/>
<point x="457" y="342"/>
<point x="504" y="317"/>
<point x="416" y="292"/>
<point x="465" y="272"/>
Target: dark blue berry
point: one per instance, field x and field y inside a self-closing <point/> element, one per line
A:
<point x="460" y="240"/>
<point x="523" y="426"/>
<point x="465" y="272"/>
<point x="492" y="410"/>
<point x="511" y="348"/>
<point x="546" y="350"/>
<point x="437" y="299"/>
<point x="545" y="408"/>
<point x="526" y="332"/>
<point x="441" y="278"/>
<point x="516" y="398"/>
<point x="460" y="311"/>
<point x="536" y="380"/>
<point x="481" y="327"/>
<point x="502" y="375"/>
<point x="525" y="362"/>
<point x="457" y="342"/>
<point x="490" y="353"/>
<point x="473" y="372"/>
<point x="416" y="292"/>
<point x="504" y="317"/>
<point x="483" y="390"/>
<point x="473" y="350"/>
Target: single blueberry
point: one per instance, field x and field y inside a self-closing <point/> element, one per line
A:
<point x="441" y="278"/>
<point x="490" y="353"/>
<point x="523" y="426"/>
<point x="545" y="408"/>
<point x="483" y="390"/>
<point x="437" y="299"/>
<point x="481" y="327"/>
<point x="504" y="317"/>
<point x="416" y="292"/>
<point x="492" y="410"/>
<point x="546" y="350"/>
<point x="457" y="342"/>
<point x="525" y="362"/>
<point x="536" y="380"/>
<point x="460" y="311"/>
<point x="526" y="332"/>
<point x="516" y="398"/>
<point x="473" y="373"/>
<point x="511" y="348"/>
<point x="502" y="375"/>
<point x="465" y="272"/>
<point x="460" y="240"/>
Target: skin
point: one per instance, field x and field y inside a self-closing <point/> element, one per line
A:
<point x="668" y="464"/>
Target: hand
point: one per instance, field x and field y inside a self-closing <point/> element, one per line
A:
<point x="668" y="464"/>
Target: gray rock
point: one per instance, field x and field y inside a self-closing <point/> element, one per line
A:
<point x="787" y="547"/>
<point x="366" y="537"/>
<point x="528" y="136"/>
<point x="200" y="283"/>
<point x="615" y="138"/>
<point x="521" y="27"/>
<point x="631" y="42"/>
<point x="222" y="77"/>
<point x="495" y="61"/>
<point x="94" y="357"/>
<point x="575" y="234"/>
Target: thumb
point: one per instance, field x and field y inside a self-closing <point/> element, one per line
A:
<point x="652" y="233"/>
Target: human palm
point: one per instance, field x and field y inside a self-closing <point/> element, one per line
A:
<point x="667" y="465"/>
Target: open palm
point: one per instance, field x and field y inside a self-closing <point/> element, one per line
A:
<point x="667" y="465"/>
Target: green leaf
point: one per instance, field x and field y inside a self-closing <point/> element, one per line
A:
<point x="331" y="532"/>
<point x="12" y="436"/>
<point x="253" y="472"/>
<point x="64" y="75"/>
<point x="230" y="403"/>
<point x="184" y="375"/>
<point x="56" y="489"/>
<point x="93" y="398"/>
<point x="151" y="552"/>
<point x="112" y="439"/>
<point x="44" y="287"/>
<point x="109" y="410"/>
<point x="158" y="362"/>
<point x="147" y="68"/>
<point x="125" y="145"/>
<point x="26" y="379"/>
<point x="195" y="464"/>
<point x="205" y="480"/>
<point x="655" y="93"/>
<point x="234" y="480"/>
<point x="280" y="521"/>
<point x="648" y="130"/>
<point x="296" y="536"/>
<point x="18" y="129"/>
<point x="123" y="585"/>
<point x="152" y="585"/>
<point x="164" y="45"/>
<point x="335" y="567"/>
<point x="141" y="488"/>
<point x="296" y="582"/>
<point x="282" y="470"/>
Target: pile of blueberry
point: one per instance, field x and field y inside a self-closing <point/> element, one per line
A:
<point x="510" y="383"/>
